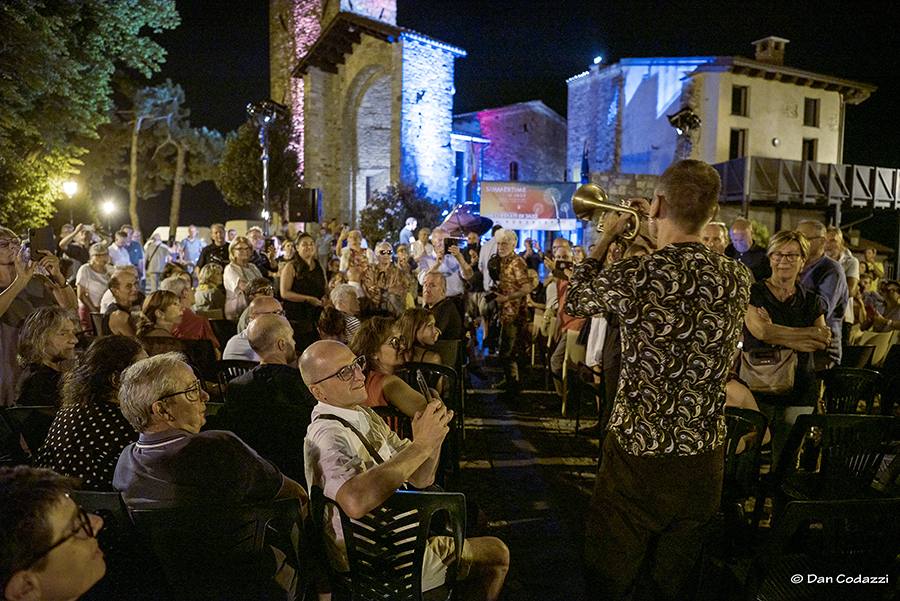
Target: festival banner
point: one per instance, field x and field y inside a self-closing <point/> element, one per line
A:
<point x="529" y="206"/>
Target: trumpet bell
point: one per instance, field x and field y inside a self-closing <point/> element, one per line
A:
<point x="591" y="201"/>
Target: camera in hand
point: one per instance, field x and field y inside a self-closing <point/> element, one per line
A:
<point x="565" y="265"/>
<point x="449" y="242"/>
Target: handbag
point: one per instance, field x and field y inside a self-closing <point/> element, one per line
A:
<point x="769" y="370"/>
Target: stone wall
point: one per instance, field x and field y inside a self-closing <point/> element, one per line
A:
<point x="426" y="114"/>
<point x="529" y="134"/>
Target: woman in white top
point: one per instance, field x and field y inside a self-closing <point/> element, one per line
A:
<point x="238" y="275"/>
<point x="91" y="282"/>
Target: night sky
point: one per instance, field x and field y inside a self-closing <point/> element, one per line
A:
<point x="520" y="51"/>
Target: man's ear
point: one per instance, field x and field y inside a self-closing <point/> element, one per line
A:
<point x="655" y="206"/>
<point x="23" y="586"/>
<point x="159" y="409"/>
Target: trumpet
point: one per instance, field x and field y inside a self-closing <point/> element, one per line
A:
<point x="590" y="201"/>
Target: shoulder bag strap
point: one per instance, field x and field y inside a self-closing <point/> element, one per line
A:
<point x="353" y="429"/>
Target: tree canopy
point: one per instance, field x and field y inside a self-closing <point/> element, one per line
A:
<point x="385" y="214"/>
<point x="239" y="177"/>
<point x="58" y="59"/>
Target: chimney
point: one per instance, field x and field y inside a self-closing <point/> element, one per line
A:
<point x="770" y="50"/>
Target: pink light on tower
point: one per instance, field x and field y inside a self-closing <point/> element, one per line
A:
<point x="307" y="26"/>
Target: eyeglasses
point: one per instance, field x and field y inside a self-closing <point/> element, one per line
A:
<point x="10" y="243"/>
<point x="192" y="393"/>
<point x="239" y="249"/>
<point x="278" y="312"/>
<point x="790" y="257"/>
<point x="385" y="252"/>
<point x="346" y="373"/>
<point x="396" y="342"/>
<point x="82" y="524"/>
<point x="268" y="290"/>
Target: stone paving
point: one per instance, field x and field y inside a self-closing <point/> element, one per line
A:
<point x="532" y="476"/>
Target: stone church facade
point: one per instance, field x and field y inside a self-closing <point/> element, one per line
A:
<point x="371" y="102"/>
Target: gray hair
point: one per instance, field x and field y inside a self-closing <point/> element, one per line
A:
<point x="816" y="225"/>
<point x="175" y="284"/>
<point x="340" y="291"/>
<point x="508" y="235"/>
<point x="144" y="382"/>
<point x="34" y="331"/>
<point x="208" y="271"/>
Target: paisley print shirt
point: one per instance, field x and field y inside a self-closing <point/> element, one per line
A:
<point x="681" y="311"/>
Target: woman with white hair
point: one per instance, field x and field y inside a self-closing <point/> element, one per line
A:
<point x="511" y="293"/>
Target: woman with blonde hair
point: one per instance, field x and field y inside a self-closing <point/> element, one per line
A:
<point x="209" y="296"/>
<point x="237" y="277"/>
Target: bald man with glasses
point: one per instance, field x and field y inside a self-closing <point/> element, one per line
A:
<point x="352" y="455"/>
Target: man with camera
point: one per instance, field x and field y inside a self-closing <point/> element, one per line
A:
<point x="446" y="260"/>
<point x="681" y="312"/>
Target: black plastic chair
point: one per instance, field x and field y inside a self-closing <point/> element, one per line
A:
<point x="828" y="538"/>
<point x="228" y="369"/>
<point x="582" y="387"/>
<point x="130" y="573"/>
<point x="223" y="330"/>
<point x="857" y="356"/>
<point x="831" y="457"/>
<point x="452" y="353"/>
<point x="386" y="547"/>
<point x="33" y="423"/>
<point x="746" y="429"/>
<point x="845" y="387"/>
<point x="448" y="469"/>
<point x="226" y="552"/>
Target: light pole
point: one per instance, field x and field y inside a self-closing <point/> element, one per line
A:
<point x="70" y="188"/>
<point x="265" y="112"/>
<point x="108" y="208"/>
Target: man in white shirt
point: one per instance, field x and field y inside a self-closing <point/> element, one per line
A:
<point x="339" y="462"/>
<point x="834" y="248"/>
<point x="118" y="254"/>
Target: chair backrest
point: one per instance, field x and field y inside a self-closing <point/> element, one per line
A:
<point x="223" y="330"/>
<point x="386" y="547"/>
<point x="228" y="369"/>
<point x="844" y="451"/>
<point x="33" y="423"/>
<point x="829" y="538"/>
<point x="882" y="342"/>
<point x="857" y="355"/>
<point x="449" y="350"/>
<point x="845" y="387"/>
<point x="451" y="395"/>
<point x="131" y="573"/>
<point x="746" y="429"/>
<point x="226" y="552"/>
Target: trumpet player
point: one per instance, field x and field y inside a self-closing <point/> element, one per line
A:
<point x="681" y="311"/>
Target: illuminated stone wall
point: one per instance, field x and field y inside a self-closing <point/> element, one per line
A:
<point x="426" y="116"/>
<point x="530" y="134"/>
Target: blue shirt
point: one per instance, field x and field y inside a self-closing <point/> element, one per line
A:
<point x="191" y="249"/>
<point x="825" y="278"/>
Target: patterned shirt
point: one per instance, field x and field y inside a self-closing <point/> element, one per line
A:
<point x="513" y="277"/>
<point x="681" y="311"/>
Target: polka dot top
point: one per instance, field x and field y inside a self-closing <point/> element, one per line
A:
<point x="85" y="441"/>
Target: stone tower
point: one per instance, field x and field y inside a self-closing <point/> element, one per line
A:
<point x="372" y="103"/>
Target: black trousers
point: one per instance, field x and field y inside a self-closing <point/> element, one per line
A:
<point x="648" y="517"/>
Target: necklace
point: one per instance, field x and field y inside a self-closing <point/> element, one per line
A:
<point x="780" y="292"/>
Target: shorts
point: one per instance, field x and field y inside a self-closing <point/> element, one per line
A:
<point x="438" y="555"/>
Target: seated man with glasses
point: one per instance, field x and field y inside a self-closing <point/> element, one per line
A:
<point x="173" y="464"/>
<point x="238" y="346"/>
<point x="358" y="462"/>
<point x="48" y="545"/>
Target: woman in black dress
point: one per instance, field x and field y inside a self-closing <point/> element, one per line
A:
<point x="89" y="431"/>
<point x="303" y="288"/>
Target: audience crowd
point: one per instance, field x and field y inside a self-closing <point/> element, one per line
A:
<point x="122" y="340"/>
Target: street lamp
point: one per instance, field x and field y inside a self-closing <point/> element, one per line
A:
<point x="264" y="113"/>
<point x="109" y="208"/>
<point x="70" y="188"/>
